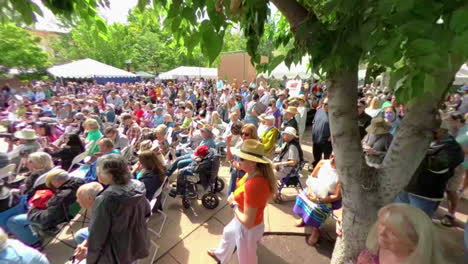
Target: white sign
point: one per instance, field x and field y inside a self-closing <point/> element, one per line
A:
<point x="294" y="87"/>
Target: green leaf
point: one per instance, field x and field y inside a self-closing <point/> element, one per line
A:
<point x="103" y="36"/>
<point x="421" y="47"/>
<point x="101" y="25"/>
<point x="275" y="62"/>
<point x="459" y="21"/>
<point x="403" y="5"/>
<point x="460" y="44"/>
<point x="142" y="4"/>
<point x="212" y="42"/>
<point x="189" y="14"/>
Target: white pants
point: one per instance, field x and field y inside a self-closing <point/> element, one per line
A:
<point x="235" y="235"/>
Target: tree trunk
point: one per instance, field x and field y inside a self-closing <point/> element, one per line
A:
<point x="414" y="135"/>
<point x="358" y="182"/>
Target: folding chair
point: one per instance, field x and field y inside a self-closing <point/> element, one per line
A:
<point x="294" y="173"/>
<point x="76" y="160"/>
<point x="154" y="203"/>
<point x="70" y="213"/>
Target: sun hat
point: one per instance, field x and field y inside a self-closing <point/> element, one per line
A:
<point x="262" y="117"/>
<point x="301" y="97"/>
<point x="292" y="110"/>
<point x="282" y="93"/>
<point x="291" y="131"/>
<point x="269" y="118"/>
<point x="378" y="126"/>
<point x="201" y="151"/>
<point x="252" y="150"/>
<point x="26" y="134"/>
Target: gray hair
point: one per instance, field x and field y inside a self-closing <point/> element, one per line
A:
<point x="41" y="160"/>
<point x="115" y="167"/>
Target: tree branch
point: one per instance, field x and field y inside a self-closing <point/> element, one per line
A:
<point x="293" y="11"/>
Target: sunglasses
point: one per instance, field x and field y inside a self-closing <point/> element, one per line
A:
<point x="245" y="134"/>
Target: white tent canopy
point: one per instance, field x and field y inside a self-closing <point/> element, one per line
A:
<point x="296" y="70"/>
<point x="461" y="78"/>
<point x="88" y="69"/>
<point x="190" y="72"/>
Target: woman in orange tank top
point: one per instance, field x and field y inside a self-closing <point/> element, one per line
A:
<point x="248" y="202"/>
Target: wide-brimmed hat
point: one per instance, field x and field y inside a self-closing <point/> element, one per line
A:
<point x="291" y="131"/>
<point x="252" y="150"/>
<point x="378" y="126"/>
<point x="292" y="110"/>
<point x="262" y="117"/>
<point x="301" y="97"/>
<point x="26" y="134"/>
<point x="207" y="129"/>
<point x="269" y="118"/>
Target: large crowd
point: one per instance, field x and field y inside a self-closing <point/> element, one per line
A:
<point x="111" y="149"/>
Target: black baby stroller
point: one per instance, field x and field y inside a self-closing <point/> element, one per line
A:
<point x="205" y="173"/>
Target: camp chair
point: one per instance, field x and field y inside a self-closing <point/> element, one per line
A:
<point x="70" y="213"/>
<point x="77" y="159"/>
<point x="292" y="179"/>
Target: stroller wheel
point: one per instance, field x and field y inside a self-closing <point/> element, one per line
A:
<point x="186" y="203"/>
<point x="219" y="185"/>
<point x="210" y="201"/>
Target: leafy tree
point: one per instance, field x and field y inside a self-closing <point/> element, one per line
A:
<point x="421" y="44"/>
<point x="20" y="49"/>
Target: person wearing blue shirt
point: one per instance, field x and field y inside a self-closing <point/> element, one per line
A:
<point x="158" y="118"/>
<point x="13" y="251"/>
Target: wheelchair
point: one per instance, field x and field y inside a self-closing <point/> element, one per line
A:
<point x="188" y="188"/>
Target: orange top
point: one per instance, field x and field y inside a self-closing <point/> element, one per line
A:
<point x="254" y="193"/>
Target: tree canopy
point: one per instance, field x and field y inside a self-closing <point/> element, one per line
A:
<point x="20" y="49"/>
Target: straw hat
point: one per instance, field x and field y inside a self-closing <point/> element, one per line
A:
<point x="269" y="118"/>
<point x="378" y="126"/>
<point x="252" y="150"/>
<point x="301" y="97"/>
<point x="291" y="131"/>
<point x="26" y="134"/>
<point x="262" y="117"/>
<point x="292" y="110"/>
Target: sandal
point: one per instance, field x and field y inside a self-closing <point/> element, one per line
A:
<point x="212" y="254"/>
<point x="299" y="223"/>
<point x="448" y="220"/>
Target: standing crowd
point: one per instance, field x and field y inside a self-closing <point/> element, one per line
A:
<point x="111" y="149"/>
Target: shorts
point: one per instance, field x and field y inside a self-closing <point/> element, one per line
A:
<point x="455" y="182"/>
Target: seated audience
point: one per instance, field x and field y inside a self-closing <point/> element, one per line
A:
<point x="54" y="213"/>
<point x="13" y="251"/>
<point x="153" y="172"/>
<point x="317" y="202"/>
<point x="27" y="145"/>
<point x="66" y="154"/>
<point x="91" y="127"/>
<point x="291" y="154"/>
<point x="120" y="140"/>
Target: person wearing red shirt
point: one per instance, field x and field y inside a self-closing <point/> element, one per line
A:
<point x="248" y="201"/>
<point x="138" y="112"/>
